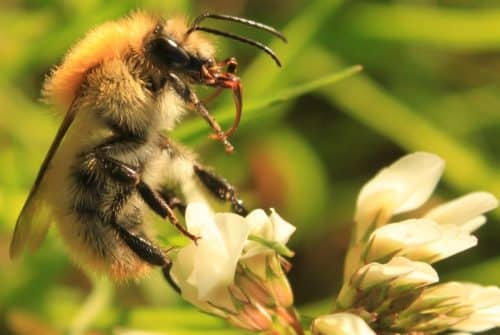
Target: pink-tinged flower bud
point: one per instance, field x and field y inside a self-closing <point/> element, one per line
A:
<point x="252" y="317"/>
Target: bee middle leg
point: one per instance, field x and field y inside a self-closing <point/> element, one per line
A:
<point x="216" y="185"/>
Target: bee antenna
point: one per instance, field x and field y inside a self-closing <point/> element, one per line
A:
<point x="237" y="19"/>
<point x="259" y="45"/>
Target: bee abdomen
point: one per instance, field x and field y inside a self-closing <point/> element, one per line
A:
<point x="95" y="201"/>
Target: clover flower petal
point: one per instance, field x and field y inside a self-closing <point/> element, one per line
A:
<point x="483" y="303"/>
<point x="419" y="240"/>
<point x="465" y="211"/>
<point x="403" y="186"/>
<point x="211" y="263"/>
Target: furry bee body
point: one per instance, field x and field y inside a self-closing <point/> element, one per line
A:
<point x="87" y="198"/>
<point x="123" y="86"/>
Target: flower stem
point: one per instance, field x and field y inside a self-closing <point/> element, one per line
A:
<point x="99" y="299"/>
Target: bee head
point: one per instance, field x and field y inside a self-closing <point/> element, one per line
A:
<point x="165" y="47"/>
<point x="171" y="49"/>
<point x="174" y="46"/>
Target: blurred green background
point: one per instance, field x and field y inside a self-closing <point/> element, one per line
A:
<point x="312" y="133"/>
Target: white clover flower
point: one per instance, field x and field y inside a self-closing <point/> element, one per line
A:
<point x="403" y="186"/>
<point x="465" y="211"/>
<point x="399" y="271"/>
<point x="340" y="324"/>
<point x="419" y="240"/>
<point x="482" y="302"/>
<point x="397" y="275"/>
<point x="388" y="280"/>
<point x="234" y="271"/>
<point x="202" y="270"/>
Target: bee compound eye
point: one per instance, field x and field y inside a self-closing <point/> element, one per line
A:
<point x="167" y="52"/>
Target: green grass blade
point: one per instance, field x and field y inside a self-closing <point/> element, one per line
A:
<point x="197" y="128"/>
<point x="262" y="73"/>
<point x="365" y="100"/>
<point x="464" y="29"/>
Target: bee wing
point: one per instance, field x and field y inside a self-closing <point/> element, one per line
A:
<point x="35" y="217"/>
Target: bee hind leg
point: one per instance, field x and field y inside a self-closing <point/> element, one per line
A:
<point x="126" y="174"/>
<point x="148" y="252"/>
<point x="220" y="188"/>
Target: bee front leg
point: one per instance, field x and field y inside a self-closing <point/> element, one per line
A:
<point x="220" y="188"/>
<point x="190" y="97"/>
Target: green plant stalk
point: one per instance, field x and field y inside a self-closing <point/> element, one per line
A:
<point x="97" y="301"/>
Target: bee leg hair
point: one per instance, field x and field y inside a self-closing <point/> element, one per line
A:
<point x="220" y="188"/>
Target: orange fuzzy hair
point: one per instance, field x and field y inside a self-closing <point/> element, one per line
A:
<point x="109" y="40"/>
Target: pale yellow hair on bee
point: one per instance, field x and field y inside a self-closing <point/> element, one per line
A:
<point x="107" y="41"/>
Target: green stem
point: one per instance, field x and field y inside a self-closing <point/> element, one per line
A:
<point x="96" y="302"/>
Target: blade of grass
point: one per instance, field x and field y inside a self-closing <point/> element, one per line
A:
<point x="262" y="73"/>
<point x="463" y="29"/>
<point x="365" y="100"/>
<point x="197" y="128"/>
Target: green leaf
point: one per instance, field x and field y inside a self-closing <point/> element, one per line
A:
<point x="262" y="73"/>
<point x="197" y="129"/>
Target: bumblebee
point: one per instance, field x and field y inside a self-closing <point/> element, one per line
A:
<point x="124" y="87"/>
